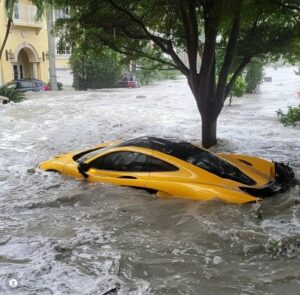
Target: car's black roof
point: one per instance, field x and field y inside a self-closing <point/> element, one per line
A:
<point x="173" y="147"/>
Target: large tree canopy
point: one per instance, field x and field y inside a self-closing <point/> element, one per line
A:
<point x="211" y="32"/>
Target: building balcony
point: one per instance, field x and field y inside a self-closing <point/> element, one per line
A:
<point x="25" y="16"/>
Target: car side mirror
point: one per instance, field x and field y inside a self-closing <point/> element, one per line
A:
<point x="83" y="167"/>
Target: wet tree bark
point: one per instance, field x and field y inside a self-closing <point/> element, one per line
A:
<point x="209" y="131"/>
<point x="209" y="111"/>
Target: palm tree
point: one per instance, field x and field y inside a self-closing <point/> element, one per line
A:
<point x="9" y="8"/>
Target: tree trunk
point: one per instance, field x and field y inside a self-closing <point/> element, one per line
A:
<point x="208" y="109"/>
<point x="209" y="131"/>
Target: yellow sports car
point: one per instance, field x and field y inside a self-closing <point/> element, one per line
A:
<point x="175" y="169"/>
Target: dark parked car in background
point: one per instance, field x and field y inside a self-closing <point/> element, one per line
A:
<point x="129" y="80"/>
<point x="24" y="85"/>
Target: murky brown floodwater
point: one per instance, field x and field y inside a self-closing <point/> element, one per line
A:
<point x="62" y="236"/>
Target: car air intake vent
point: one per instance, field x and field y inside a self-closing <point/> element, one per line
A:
<point x="268" y="189"/>
<point x="245" y="162"/>
<point x="256" y="192"/>
<point x="253" y="191"/>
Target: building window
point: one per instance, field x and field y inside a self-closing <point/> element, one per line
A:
<point x="62" y="13"/>
<point x="18" y="72"/>
<point x="63" y="50"/>
<point x="16" y="10"/>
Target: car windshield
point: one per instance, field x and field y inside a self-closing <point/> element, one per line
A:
<point x="82" y="157"/>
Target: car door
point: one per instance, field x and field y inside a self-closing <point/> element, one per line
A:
<point x="164" y="176"/>
<point x="119" y="167"/>
<point x="36" y="86"/>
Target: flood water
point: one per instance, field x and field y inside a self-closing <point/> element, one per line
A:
<point x="64" y="236"/>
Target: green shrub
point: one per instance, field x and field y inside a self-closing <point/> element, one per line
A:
<point x="239" y="87"/>
<point x="254" y="76"/>
<point x="12" y="94"/>
<point x="95" y="69"/>
<point x="148" y="70"/>
<point x="291" y="117"/>
<point x="147" y="76"/>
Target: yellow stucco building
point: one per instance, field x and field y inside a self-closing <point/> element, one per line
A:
<point x="26" y="51"/>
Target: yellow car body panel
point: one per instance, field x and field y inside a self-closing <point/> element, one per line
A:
<point x="188" y="181"/>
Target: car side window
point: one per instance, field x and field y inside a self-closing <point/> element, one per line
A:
<point x="156" y="165"/>
<point x="37" y="84"/>
<point x="131" y="162"/>
<point x="120" y="161"/>
<point x="26" y="84"/>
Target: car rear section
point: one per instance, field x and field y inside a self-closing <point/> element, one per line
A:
<point x="270" y="177"/>
<point x="284" y="175"/>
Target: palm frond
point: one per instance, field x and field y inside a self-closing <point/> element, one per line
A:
<point x="12" y="94"/>
<point x="9" y="7"/>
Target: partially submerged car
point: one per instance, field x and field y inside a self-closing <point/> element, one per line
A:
<point x="129" y="80"/>
<point x="175" y="169"/>
<point x="24" y="85"/>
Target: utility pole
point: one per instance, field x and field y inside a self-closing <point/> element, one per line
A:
<point x="51" y="47"/>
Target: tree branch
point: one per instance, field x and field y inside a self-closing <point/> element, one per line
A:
<point x="207" y="61"/>
<point x="134" y="36"/>
<point x="131" y="52"/>
<point x="230" y="53"/>
<point x="164" y="44"/>
<point x="237" y="72"/>
<point x="156" y="68"/>
<point x="189" y="20"/>
<point x="243" y="64"/>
